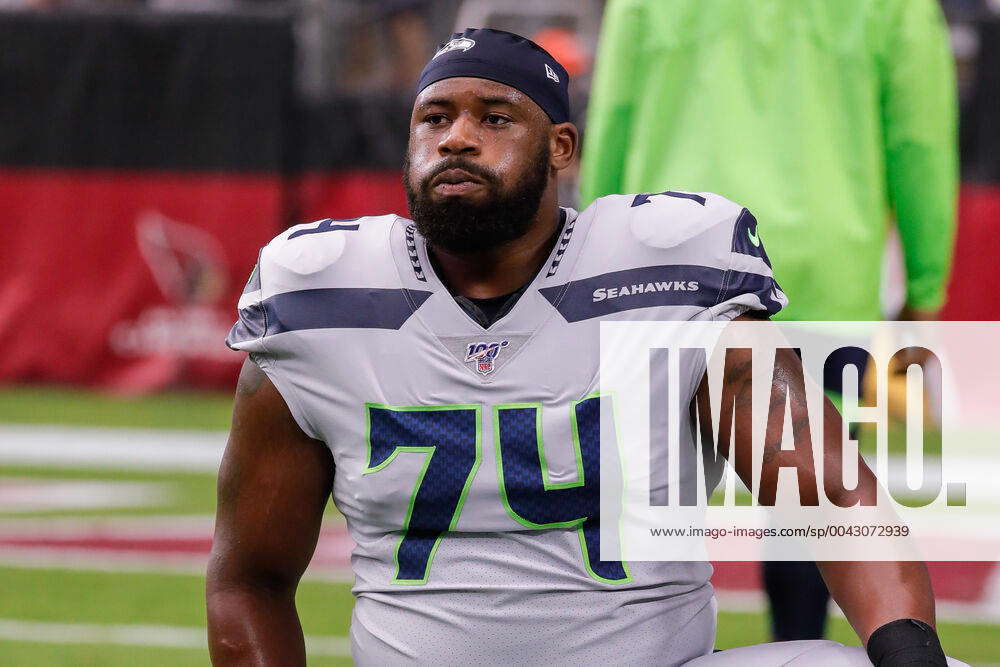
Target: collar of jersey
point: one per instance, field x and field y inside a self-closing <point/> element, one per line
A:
<point x="444" y="317"/>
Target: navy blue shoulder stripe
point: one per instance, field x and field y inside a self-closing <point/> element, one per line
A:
<point x="645" y="287"/>
<point x="753" y="283"/>
<point x="328" y="308"/>
<point x="328" y="225"/>
<point x="249" y="327"/>
<point x="651" y="286"/>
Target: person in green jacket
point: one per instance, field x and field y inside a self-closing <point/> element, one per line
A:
<point x="823" y="117"/>
<point x="826" y="118"/>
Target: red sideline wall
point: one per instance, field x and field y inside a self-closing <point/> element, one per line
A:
<point x="348" y="194"/>
<point x="128" y="280"/>
<point x="142" y="163"/>
<point x="971" y="293"/>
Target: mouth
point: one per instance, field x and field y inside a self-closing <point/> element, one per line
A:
<point x="455" y="182"/>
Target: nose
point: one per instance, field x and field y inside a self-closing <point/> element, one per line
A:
<point x="462" y="137"/>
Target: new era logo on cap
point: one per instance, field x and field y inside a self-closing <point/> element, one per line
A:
<point x="459" y="43"/>
<point x="551" y="73"/>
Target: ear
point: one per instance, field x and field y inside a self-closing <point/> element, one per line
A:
<point x="564" y="142"/>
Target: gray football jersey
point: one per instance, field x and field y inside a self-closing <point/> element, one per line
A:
<point x="467" y="458"/>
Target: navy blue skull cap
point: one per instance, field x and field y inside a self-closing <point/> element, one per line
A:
<point x="506" y="58"/>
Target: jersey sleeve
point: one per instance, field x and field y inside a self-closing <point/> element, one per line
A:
<point x="748" y="284"/>
<point x="294" y="261"/>
<point x="712" y="238"/>
<point x="248" y="333"/>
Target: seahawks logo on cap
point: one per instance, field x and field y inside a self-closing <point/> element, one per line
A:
<point x="459" y="43"/>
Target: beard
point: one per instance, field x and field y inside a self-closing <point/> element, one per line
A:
<point x="460" y="226"/>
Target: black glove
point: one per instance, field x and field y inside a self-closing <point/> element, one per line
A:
<point x="906" y="642"/>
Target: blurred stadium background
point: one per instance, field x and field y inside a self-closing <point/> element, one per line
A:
<point x="147" y="150"/>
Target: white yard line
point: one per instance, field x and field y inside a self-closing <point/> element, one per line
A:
<point x="121" y="448"/>
<point x="331" y="561"/>
<point x="166" y="636"/>
<point x="85" y="560"/>
<point x="20" y="494"/>
<point x="164" y="525"/>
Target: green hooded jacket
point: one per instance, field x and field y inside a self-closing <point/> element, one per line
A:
<point x="824" y="117"/>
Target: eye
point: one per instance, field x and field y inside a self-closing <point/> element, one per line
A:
<point x="497" y="119"/>
<point x="435" y="119"/>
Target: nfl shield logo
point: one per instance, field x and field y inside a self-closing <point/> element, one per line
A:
<point x="484" y="355"/>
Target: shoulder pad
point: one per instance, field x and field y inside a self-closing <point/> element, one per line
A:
<point x="313" y="246"/>
<point x="667" y="219"/>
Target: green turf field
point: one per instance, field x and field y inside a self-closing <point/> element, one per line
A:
<point x="183" y="410"/>
<point x="133" y="599"/>
<point x="176" y="601"/>
<point x="33" y="598"/>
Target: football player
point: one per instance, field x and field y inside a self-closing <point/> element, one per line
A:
<point x="440" y="377"/>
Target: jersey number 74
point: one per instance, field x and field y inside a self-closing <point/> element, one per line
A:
<point x="451" y="438"/>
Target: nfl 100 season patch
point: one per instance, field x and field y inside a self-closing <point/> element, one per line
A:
<point x="484" y="355"/>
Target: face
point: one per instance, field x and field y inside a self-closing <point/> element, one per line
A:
<point x="479" y="160"/>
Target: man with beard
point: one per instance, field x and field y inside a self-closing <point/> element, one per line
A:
<point x="423" y="361"/>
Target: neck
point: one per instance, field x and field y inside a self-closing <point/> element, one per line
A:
<point x="504" y="269"/>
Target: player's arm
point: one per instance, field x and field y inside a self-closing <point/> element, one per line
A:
<point x="871" y="594"/>
<point x="273" y="487"/>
